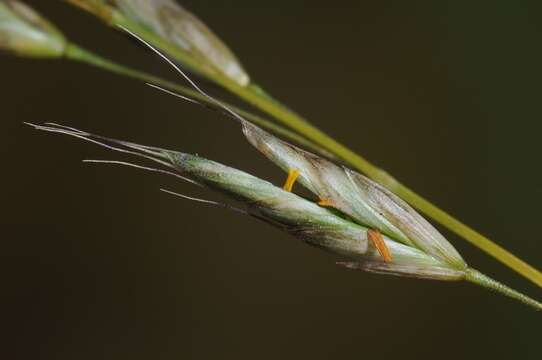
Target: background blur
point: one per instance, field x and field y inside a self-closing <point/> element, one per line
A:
<point x="98" y="264"/>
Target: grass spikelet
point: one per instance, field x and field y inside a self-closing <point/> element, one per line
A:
<point x="26" y="33"/>
<point x="318" y="226"/>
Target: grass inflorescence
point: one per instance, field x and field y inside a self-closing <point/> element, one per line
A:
<point x="370" y="221"/>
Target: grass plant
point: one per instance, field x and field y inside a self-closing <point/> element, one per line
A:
<point x="404" y="242"/>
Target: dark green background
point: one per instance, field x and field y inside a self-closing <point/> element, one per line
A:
<point x="97" y="264"/>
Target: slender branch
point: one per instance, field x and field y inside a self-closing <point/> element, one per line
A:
<point x="74" y="52"/>
<point x="476" y="277"/>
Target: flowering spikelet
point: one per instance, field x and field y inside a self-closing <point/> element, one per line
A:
<point x="318" y="226"/>
<point x="26" y="33"/>
<point x="355" y="195"/>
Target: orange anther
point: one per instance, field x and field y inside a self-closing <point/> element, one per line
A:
<point x="325" y="202"/>
<point x="293" y="174"/>
<point x="378" y="241"/>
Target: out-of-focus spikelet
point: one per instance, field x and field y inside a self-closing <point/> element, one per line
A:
<point x="26" y="33"/>
<point x="175" y="25"/>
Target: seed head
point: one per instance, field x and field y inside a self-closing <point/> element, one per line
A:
<point x="25" y="32"/>
<point x="319" y="226"/>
